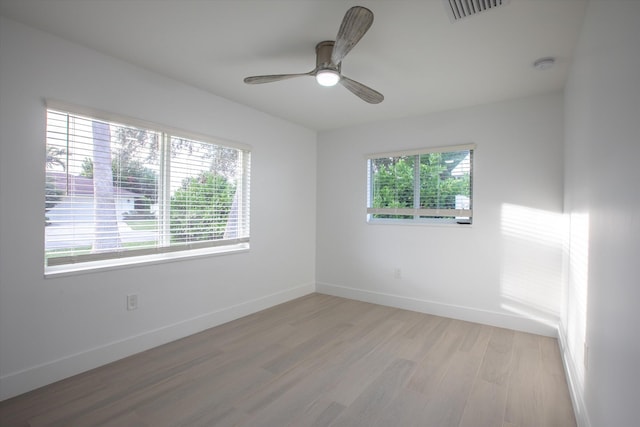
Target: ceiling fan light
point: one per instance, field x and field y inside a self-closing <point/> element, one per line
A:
<point x="327" y="77"/>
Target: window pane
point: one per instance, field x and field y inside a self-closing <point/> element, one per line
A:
<point x="434" y="184"/>
<point x="393" y="182"/>
<point x="114" y="191"/>
<point x="102" y="186"/>
<point x="135" y="156"/>
<point x="203" y="187"/>
<point x="445" y="180"/>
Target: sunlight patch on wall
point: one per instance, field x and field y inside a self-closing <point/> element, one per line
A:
<point x="577" y="292"/>
<point x="531" y="276"/>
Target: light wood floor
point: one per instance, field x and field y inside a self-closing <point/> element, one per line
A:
<point x="319" y="361"/>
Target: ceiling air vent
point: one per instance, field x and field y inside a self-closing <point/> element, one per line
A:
<point x="458" y="9"/>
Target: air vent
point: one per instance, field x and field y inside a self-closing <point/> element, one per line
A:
<point x="458" y="9"/>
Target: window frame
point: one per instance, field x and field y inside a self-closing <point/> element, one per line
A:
<point x="165" y="253"/>
<point x="419" y="216"/>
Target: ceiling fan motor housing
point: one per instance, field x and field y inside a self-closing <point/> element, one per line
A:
<point x="323" y="56"/>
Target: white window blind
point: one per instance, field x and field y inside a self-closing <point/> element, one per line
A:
<point x="114" y="190"/>
<point x="428" y="185"/>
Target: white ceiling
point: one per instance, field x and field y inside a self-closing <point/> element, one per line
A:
<point x="413" y="53"/>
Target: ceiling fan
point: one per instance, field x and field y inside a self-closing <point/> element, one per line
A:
<point x="329" y="56"/>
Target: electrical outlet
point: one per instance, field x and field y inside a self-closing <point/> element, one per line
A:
<point x="132" y="302"/>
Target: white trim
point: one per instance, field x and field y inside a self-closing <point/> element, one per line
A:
<point x="136" y="261"/>
<point x="413" y="152"/>
<point x="420" y="212"/>
<point x="34" y="377"/>
<point x="469" y="314"/>
<point x="221" y="246"/>
<point x="576" y="392"/>
<point x="422" y="222"/>
<point x="66" y="107"/>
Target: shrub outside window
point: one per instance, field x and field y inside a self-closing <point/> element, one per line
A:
<point x="120" y="191"/>
<point x="432" y="185"/>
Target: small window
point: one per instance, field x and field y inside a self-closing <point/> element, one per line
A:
<point x="433" y="185"/>
<point x="119" y="191"/>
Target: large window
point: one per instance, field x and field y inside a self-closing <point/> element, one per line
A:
<point x="421" y="186"/>
<point x="117" y="191"/>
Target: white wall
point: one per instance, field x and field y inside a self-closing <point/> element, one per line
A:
<point x="603" y="199"/>
<point x="506" y="269"/>
<point x="52" y="328"/>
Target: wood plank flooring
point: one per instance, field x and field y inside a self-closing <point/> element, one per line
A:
<point x="318" y="361"/>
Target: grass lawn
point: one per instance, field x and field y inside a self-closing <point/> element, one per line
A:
<point x="142" y="224"/>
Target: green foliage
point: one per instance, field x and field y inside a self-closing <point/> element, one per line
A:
<point x="87" y="167"/>
<point x="438" y="189"/>
<point x="135" y="177"/>
<point x="52" y="197"/>
<point x="129" y="175"/>
<point x="393" y="182"/>
<point x="200" y="208"/>
<point x="131" y="143"/>
<point x="56" y="157"/>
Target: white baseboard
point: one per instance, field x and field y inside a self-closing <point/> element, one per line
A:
<point x="37" y="376"/>
<point x="492" y="318"/>
<point x="575" y="390"/>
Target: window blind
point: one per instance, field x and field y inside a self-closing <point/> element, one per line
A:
<point x="431" y="184"/>
<point x="115" y="190"/>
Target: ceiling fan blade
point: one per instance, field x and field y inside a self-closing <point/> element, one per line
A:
<point x="254" y="80"/>
<point x="363" y="92"/>
<point x="355" y="24"/>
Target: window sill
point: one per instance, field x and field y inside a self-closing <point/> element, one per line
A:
<point x="413" y="223"/>
<point x="144" y="260"/>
